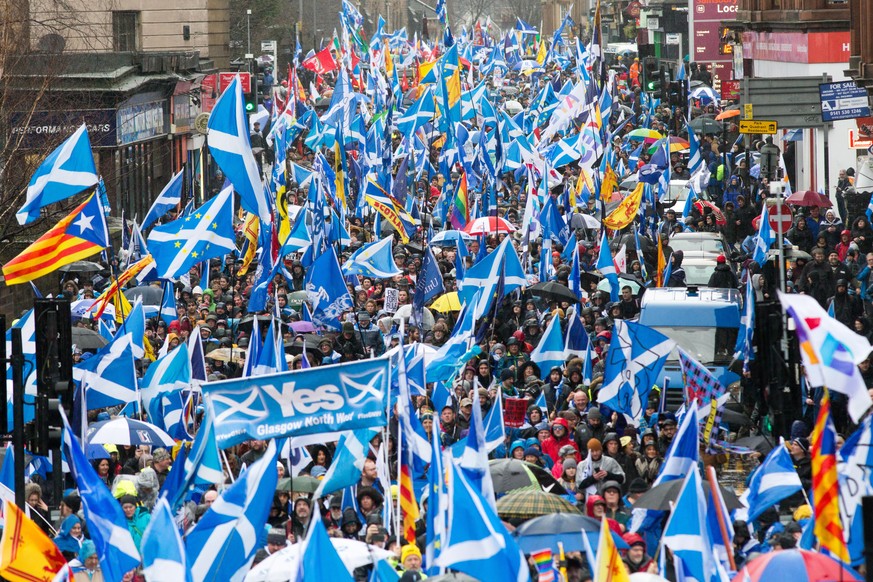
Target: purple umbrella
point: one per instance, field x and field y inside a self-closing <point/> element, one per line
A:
<point x="302" y="327"/>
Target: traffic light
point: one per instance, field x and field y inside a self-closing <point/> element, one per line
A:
<point x="663" y="91"/>
<point x="54" y="372"/>
<point x="651" y="75"/>
<point x="251" y="96"/>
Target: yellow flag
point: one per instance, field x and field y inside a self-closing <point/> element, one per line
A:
<point x="250" y="232"/>
<point x="609" y="567"/>
<point x="609" y="184"/>
<point x="662" y="265"/>
<point x="626" y="211"/>
<point x="27" y="554"/>
<point x="541" y="53"/>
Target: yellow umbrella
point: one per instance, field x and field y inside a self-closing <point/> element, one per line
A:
<point x="447" y="302"/>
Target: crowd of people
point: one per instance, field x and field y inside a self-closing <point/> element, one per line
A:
<point x="602" y="462"/>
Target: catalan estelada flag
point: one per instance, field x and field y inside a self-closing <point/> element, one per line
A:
<point x="408" y="505"/>
<point x="122" y="305"/>
<point x="26" y="553"/>
<point x="79" y="235"/>
<point x="825" y="489"/>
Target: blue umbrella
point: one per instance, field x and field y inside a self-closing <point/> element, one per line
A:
<point x="450" y="237"/>
<point x="705" y="94"/>
<point x="546" y="531"/>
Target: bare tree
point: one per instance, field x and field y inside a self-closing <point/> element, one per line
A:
<point x="530" y="12"/>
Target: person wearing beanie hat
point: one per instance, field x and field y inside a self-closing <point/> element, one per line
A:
<point x="636" y="559"/>
<point x="799" y="449"/>
<point x="507" y="384"/>
<point x="410" y="560"/>
<point x="567" y="480"/>
<point x="532" y="456"/>
<point x="90" y="561"/>
<point x="598" y="469"/>
<point x="137" y="517"/>
<point x="592" y="428"/>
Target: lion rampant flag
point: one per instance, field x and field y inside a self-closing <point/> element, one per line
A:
<point x="626" y="211"/>
<point x="27" y="554"/>
<point x="609" y="567"/>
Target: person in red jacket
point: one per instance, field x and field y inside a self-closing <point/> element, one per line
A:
<point x="560" y="437"/>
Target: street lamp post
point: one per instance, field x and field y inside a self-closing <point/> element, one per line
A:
<point x="248" y="31"/>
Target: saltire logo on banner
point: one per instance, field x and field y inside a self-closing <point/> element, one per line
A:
<point x="301" y="402"/>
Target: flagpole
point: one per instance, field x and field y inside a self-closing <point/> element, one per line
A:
<point x="713" y="487"/>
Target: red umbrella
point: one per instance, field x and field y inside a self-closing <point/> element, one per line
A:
<point x="809" y="198"/>
<point x="488" y="225"/>
<point x="795" y="565"/>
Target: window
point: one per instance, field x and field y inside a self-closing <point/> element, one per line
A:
<point x="125" y="31"/>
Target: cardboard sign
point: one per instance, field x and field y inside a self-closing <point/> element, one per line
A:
<point x="392" y="299"/>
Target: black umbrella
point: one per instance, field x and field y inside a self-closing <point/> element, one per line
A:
<point x="706" y="125"/>
<point x="150" y="294"/>
<point x="82" y="267"/>
<point x="759" y="443"/>
<point x="88" y="339"/>
<point x="660" y="497"/>
<point x="512" y="474"/>
<point x="554" y="291"/>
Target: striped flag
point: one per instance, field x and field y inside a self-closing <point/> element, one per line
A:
<point x="408" y="505"/>
<point x="111" y="294"/>
<point x="825" y="489"/>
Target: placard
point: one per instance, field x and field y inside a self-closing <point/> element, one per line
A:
<point x="392" y="299"/>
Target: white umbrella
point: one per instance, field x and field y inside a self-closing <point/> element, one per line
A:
<point x="127" y="431"/>
<point x="590" y="221"/>
<point x="282" y="565"/>
<point x="405" y="312"/>
<point x="450" y="236"/>
<point x="513" y="107"/>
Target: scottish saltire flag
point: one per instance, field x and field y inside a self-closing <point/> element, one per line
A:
<point x="167" y="412"/>
<point x="684" y="452"/>
<point x="743" y="348"/>
<point x="438" y="500"/>
<point x="472" y="457"/>
<point x="634" y="360"/>
<point x="134" y="324"/>
<point x="576" y="339"/>
<point x="223" y="543"/>
<point x="550" y="351"/>
<point x="64" y="173"/>
<point x="169" y="373"/>
<point x="606" y="266"/>
<point x="109" y="376"/>
<point x="271" y="358"/>
<point x="163" y="553"/>
<point x="495" y="431"/>
<point x="441" y="12"/>
<point x="773" y="480"/>
<point x="327" y="291"/>
<point x="524" y="28"/>
<point x="203" y="464"/>
<point x="299" y="239"/>
<point x="373" y="260"/>
<point x="856" y="482"/>
<point x="168" y="310"/>
<point x="566" y="151"/>
<point x="869" y="211"/>
<point x="228" y="140"/>
<point x="200" y="234"/>
<point x="486" y="275"/>
<point x="765" y="238"/>
<point x="475" y="540"/>
<point x="195" y="354"/>
<point x="717" y="514"/>
<point x="830" y="351"/>
<point x="576" y="272"/>
<point x="106" y="522"/>
<point x="695" y="159"/>
<point x="169" y="198"/>
<point x="449" y="356"/>
<point x="419" y="113"/>
<point x="686" y="533"/>
<point x="554" y="225"/>
<point x="319" y="556"/>
<point x="348" y="461"/>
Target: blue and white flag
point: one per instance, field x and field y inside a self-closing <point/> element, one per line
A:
<point x="163" y="553"/>
<point x="429" y="283"/>
<point x="606" y="266"/>
<point x="169" y="373"/>
<point x="695" y="159"/>
<point x="495" y="430"/>
<point x="134" y="324"/>
<point x="554" y="225"/>
<point x="566" y="151"/>
<point x="109" y="376"/>
<point x="550" y="351"/>
<point x="319" y="556"/>
<point x="200" y="234"/>
<point x="774" y="480"/>
<point x="575" y="272"/>
<point x="765" y="238"/>
<point x="106" y="522"/>
<point x="271" y="357"/>
<point x="327" y="291"/>
<point x="634" y="360"/>
<point x="475" y="541"/>
<point x="373" y="260"/>
<point x="524" y="28"/>
<point x="854" y="460"/>
<point x="299" y="239"/>
<point x="223" y="543"/>
<point x="743" y="347"/>
<point x="167" y="412"/>
<point x="203" y="464"/>
<point x="438" y="500"/>
<point x="64" y="173"/>
<point x="419" y="113"/>
<point x="686" y="533"/>
<point x="486" y="276"/>
<point x="195" y="354"/>
<point x="449" y="355"/>
<point x="228" y="139"/>
<point x="684" y="452"/>
<point x="168" y="311"/>
<point x="348" y="461"/>
<point x="576" y="342"/>
<point x="472" y="457"/>
<point x="169" y="198"/>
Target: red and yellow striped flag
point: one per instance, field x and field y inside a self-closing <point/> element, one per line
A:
<point x="825" y="488"/>
<point x="111" y="293"/>
<point x="408" y="505"/>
